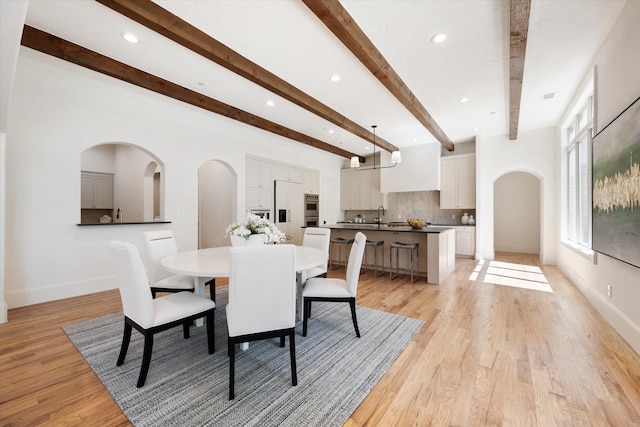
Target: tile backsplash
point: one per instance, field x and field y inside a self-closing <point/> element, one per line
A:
<point x="414" y="204"/>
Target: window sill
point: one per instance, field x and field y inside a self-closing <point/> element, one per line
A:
<point x="586" y="253"/>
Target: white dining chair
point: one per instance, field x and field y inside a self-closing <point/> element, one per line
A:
<point x="149" y="315"/>
<point x="157" y="245"/>
<point x="262" y="300"/>
<point x="315" y="237"/>
<point x="334" y="289"/>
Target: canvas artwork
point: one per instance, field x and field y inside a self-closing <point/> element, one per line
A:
<point x="616" y="187"/>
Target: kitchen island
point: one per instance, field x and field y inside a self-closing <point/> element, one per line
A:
<point x="436" y="253"/>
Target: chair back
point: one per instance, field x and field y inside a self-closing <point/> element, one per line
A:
<point x="157" y="245"/>
<point x="135" y="294"/>
<point x="320" y="238"/>
<point x="262" y="289"/>
<point x="355" y="262"/>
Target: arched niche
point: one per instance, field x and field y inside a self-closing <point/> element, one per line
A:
<point x="120" y="183"/>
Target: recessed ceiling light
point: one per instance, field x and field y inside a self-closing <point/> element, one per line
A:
<point x="476" y="129"/>
<point x="330" y="130"/>
<point x="366" y="148"/>
<point x="200" y="84"/>
<point x="270" y="103"/>
<point x="549" y="95"/>
<point x="439" y="38"/>
<point x="335" y="78"/>
<point x="130" y="37"/>
<point x="463" y="99"/>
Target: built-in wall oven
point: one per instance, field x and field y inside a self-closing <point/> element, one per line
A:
<point x="311" y="210"/>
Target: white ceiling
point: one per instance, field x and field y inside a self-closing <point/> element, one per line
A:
<point x="286" y="38"/>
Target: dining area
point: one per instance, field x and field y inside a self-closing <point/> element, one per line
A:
<point x="271" y="286"/>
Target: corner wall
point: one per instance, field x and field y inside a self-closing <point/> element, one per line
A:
<point x="617" y="64"/>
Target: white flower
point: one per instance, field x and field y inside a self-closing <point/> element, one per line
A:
<point x="256" y="225"/>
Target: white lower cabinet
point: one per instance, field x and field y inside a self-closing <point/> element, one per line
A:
<point x="465" y="241"/>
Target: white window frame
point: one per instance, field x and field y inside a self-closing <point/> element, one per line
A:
<point x="577" y="135"/>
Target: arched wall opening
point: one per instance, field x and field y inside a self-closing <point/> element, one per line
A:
<point x="217" y="202"/>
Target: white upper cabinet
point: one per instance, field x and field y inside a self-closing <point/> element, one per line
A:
<point x="458" y="182"/>
<point x="259" y="174"/>
<point x="96" y="190"/>
<point x="288" y="173"/>
<point x="259" y="192"/>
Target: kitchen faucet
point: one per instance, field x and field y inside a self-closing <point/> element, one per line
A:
<point x="379" y="217"/>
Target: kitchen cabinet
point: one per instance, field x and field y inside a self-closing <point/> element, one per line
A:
<point x="288" y="173"/>
<point x="311" y="181"/>
<point x="360" y="189"/>
<point x="96" y="190"/>
<point x="259" y="190"/>
<point x="465" y="241"/>
<point x="458" y="182"/>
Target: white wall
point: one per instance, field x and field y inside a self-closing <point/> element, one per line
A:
<point x="57" y="111"/>
<point x="617" y="85"/>
<point x="517" y="213"/>
<point x="533" y="152"/>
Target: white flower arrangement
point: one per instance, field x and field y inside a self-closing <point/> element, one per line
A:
<point x="256" y="225"/>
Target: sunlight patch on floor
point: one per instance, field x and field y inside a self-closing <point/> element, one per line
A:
<point x="510" y="274"/>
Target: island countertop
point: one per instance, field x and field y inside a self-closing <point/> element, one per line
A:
<point x="384" y="227"/>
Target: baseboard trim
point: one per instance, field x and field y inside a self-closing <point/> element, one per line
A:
<point x="618" y="320"/>
<point x="55" y="292"/>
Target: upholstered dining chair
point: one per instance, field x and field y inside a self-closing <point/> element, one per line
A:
<point x="157" y="245"/>
<point x="334" y="289"/>
<point x="262" y="300"/>
<point x="149" y="315"/>
<point x="318" y="238"/>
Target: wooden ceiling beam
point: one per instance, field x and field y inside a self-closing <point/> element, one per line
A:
<point x="338" y="20"/>
<point x="518" y="31"/>
<point x="55" y="46"/>
<point x="153" y="16"/>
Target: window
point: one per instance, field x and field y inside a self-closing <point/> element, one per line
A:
<point x="578" y="134"/>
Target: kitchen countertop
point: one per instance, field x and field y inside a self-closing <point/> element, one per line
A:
<point x="385" y="227"/>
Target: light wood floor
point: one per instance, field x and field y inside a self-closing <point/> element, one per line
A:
<point x="487" y="355"/>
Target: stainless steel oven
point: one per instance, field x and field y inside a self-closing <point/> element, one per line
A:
<point x="311" y="210"/>
<point x="311" y="221"/>
<point x="311" y="205"/>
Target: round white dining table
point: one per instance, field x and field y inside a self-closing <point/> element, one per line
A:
<point x="204" y="264"/>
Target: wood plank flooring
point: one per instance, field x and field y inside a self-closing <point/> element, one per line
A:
<point x="488" y="355"/>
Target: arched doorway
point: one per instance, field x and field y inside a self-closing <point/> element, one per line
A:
<point x="217" y="203"/>
<point x="516" y="201"/>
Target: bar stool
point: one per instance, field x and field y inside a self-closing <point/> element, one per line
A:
<point x="341" y="243"/>
<point x="375" y="244"/>
<point x="404" y="246"/>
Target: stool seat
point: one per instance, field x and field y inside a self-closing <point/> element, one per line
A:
<point x="401" y="246"/>
<point x="340" y="242"/>
<point x="375" y="244"/>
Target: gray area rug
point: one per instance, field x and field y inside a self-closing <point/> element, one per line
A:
<point x="188" y="387"/>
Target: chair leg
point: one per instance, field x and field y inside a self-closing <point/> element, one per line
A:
<point x="211" y="342"/>
<point x="292" y="353"/>
<point x="352" y="304"/>
<point x="282" y="341"/>
<point x="212" y="288"/>
<point x="305" y="316"/>
<point x="126" y="337"/>
<point x="146" y="358"/>
<point x="153" y="293"/>
<point x="185" y="330"/>
<point x="232" y="369"/>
